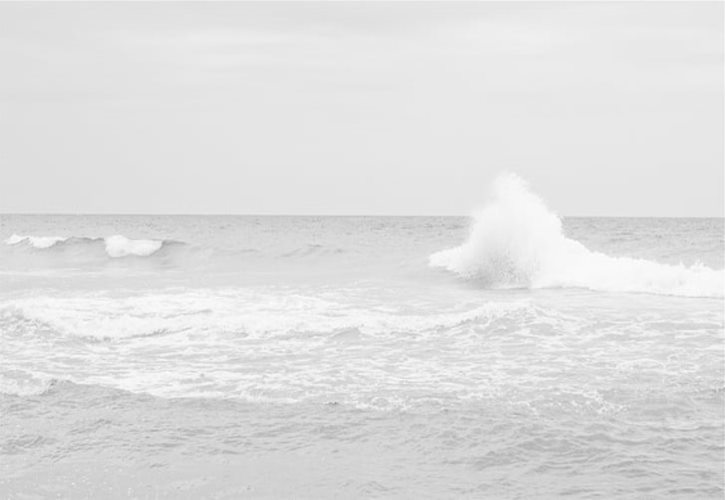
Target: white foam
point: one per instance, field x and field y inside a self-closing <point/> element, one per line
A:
<point x="241" y="343"/>
<point x="115" y="246"/>
<point x="517" y="242"/>
<point x="18" y="383"/>
<point x="244" y="312"/>
<point x="35" y="241"/>
<point x="120" y="246"/>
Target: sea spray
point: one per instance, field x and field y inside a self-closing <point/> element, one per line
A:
<point x="516" y="241"/>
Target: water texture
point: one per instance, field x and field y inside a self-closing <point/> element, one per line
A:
<point x="513" y="355"/>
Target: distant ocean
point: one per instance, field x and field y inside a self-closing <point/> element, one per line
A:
<point x="514" y="354"/>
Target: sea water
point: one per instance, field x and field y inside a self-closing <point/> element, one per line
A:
<point x="514" y="354"/>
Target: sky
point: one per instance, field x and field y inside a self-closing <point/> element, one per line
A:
<point x="607" y="109"/>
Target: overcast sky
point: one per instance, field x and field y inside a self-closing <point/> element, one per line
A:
<point x="351" y="108"/>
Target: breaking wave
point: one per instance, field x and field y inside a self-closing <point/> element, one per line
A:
<point x="517" y="242"/>
<point x="114" y="246"/>
<point x="20" y="383"/>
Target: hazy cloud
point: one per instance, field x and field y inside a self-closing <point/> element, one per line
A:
<point x="360" y="107"/>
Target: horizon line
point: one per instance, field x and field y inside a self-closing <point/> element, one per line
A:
<point x="218" y="214"/>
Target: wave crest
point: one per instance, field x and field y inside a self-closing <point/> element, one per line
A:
<point x="35" y="241"/>
<point x="20" y="383"/>
<point x="115" y="246"/>
<point x="517" y="242"/>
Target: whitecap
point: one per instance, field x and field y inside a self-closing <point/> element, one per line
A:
<point x="517" y="242"/>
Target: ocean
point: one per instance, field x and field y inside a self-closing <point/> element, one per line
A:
<point x="512" y="354"/>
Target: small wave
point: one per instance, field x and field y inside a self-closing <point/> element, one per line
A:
<point x="517" y="242"/>
<point x="19" y="383"/>
<point x="115" y="246"/>
<point x="313" y="250"/>
<point x="35" y="241"/>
